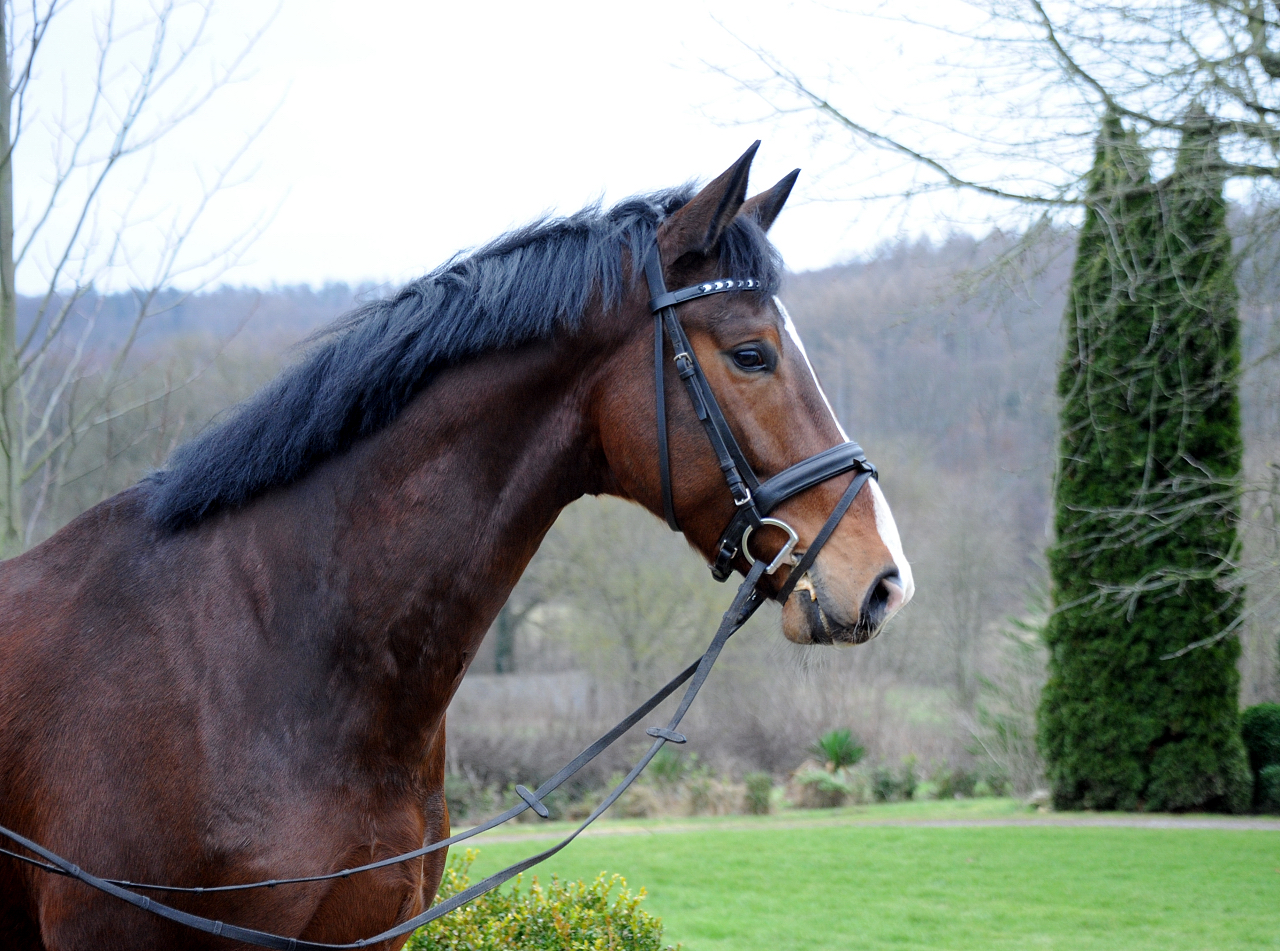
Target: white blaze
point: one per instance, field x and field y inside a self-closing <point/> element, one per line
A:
<point x="885" y="524"/>
<point x="795" y="335"/>
<point x="888" y="530"/>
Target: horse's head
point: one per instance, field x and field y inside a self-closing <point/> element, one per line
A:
<point x="761" y="377"/>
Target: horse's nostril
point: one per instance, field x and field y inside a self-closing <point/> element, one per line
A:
<point x="883" y="599"/>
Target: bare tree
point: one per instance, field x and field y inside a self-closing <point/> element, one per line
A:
<point x="67" y="365"/>
<point x="1034" y="78"/>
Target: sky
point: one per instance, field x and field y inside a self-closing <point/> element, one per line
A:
<point x="385" y="136"/>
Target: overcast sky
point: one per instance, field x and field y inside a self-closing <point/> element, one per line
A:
<point x="400" y="132"/>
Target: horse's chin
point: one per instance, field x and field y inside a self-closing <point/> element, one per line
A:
<point x="805" y="621"/>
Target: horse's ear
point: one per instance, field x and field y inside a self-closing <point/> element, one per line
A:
<point x="765" y="206"/>
<point x="697" y="226"/>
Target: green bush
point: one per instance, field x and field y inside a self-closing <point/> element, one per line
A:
<point x="953" y="783"/>
<point x="837" y="750"/>
<point x="565" y="916"/>
<point x="459" y="794"/>
<point x="759" y="788"/>
<point x="888" y="786"/>
<point x="1260" y="730"/>
<point x="884" y="785"/>
<point x="907" y="779"/>
<point x="823" y="790"/>
<point x="1269" y="788"/>
<point x="670" y="767"/>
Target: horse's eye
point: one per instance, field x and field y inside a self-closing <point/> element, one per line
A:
<point x="750" y="358"/>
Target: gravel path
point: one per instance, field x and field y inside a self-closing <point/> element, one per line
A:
<point x="1065" y="820"/>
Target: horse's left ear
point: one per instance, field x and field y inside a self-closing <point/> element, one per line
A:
<point x="697" y="227"/>
<point x="764" y="207"/>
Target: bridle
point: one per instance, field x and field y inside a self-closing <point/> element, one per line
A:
<point x="754" y="500"/>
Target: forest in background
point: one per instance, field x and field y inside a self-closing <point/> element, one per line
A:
<point x="939" y="358"/>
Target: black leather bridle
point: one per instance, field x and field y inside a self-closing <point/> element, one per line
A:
<point x="754" y="500"/>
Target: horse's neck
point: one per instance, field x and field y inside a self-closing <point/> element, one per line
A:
<point x="417" y="536"/>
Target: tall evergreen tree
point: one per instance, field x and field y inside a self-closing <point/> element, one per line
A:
<point x="1147" y="494"/>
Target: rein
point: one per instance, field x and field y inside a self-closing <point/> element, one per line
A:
<point x="754" y="500"/>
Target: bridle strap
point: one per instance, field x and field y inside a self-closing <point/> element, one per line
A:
<point x="664" y="458"/>
<point x="733" y="464"/>
<point x="806" y="561"/>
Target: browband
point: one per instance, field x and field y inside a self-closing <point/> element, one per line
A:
<point x="671" y="298"/>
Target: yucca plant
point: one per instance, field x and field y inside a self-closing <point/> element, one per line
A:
<point x="838" y="749"/>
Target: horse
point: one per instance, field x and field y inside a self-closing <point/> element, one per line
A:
<point x="238" y="668"/>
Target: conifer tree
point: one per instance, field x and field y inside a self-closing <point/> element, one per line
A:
<point x="1146" y="497"/>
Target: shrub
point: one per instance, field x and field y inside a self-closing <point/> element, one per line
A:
<point x="953" y="783"/>
<point x="1260" y="730"/>
<point x="884" y="785"/>
<point x="759" y="788"/>
<point x="838" y="749"/>
<point x="699" y="791"/>
<point x="458" y="794"/>
<point x="888" y="786"/>
<point x="565" y="916"/>
<point x="1269" y="788"/>
<point x="822" y="790"/>
<point x="907" y="781"/>
<point x="669" y="767"/>
<point x="859" y="783"/>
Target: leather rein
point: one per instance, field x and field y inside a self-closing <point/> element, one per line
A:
<point x="754" y="500"/>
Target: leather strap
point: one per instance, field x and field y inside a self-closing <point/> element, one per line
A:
<point x="812" y="471"/>
<point x="670" y="299"/>
<point x="660" y="388"/>
<point x="806" y="561"/>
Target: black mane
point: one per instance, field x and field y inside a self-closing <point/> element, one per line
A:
<point x="365" y="368"/>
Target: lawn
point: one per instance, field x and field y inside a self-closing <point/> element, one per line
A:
<point x="827" y="880"/>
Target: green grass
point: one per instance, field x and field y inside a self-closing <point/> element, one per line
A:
<point x="777" y="882"/>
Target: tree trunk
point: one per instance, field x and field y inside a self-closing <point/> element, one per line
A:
<point x="10" y="417"/>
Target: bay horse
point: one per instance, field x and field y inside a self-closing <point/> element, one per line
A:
<point x="238" y="669"/>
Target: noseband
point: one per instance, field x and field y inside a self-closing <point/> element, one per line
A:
<point x="754" y="499"/>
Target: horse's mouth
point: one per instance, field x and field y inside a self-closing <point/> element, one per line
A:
<point x="822" y="628"/>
